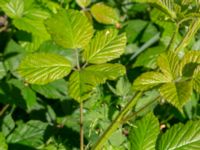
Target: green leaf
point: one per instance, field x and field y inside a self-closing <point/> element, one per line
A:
<point x="105" y="46"/>
<point x="181" y="137"/>
<point x="144" y="133"/>
<point x="104" y="14"/>
<point x="80" y="87"/>
<point x="28" y="16"/>
<point x="3" y="145"/>
<point x="177" y="93"/>
<point x="167" y="6"/>
<point x="169" y="65"/>
<point x="149" y="80"/>
<point x="2" y="70"/>
<point x="83" y="3"/>
<point x="190" y="57"/>
<point x="30" y="134"/>
<point x="196" y="79"/>
<point x="70" y="29"/>
<point x="14" y="8"/>
<point x="8" y="124"/>
<point x="149" y="57"/>
<point x="42" y="68"/>
<point x="53" y="90"/>
<point x="134" y="29"/>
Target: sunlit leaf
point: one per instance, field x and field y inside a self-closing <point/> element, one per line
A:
<point x="83" y="3"/>
<point x="70" y="29"/>
<point x="42" y="68"/>
<point x="181" y="137"/>
<point x="144" y="133"/>
<point x="177" y="93"/>
<point x="82" y="82"/>
<point x="104" y="14"/>
<point x="3" y="145"/>
<point x="105" y="46"/>
<point x="149" y="80"/>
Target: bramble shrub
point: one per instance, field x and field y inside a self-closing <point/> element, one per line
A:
<point x="66" y="70"/>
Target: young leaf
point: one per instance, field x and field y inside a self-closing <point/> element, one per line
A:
<point x="181" y="137"/>
<point x="83" y="3"/>
<point x="177" y="93"/>
<point x="83" y="82"/>
<point x="70" y="29"/>
<point x="149" y="80"/>
<point x="42" y="68"/>
<point x="30" y="134"/>
<point x="105" y="46"/>
<point x="104" y="14"/>
<point x="144" y="133"/>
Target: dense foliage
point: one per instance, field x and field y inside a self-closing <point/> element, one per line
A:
<point x="92" y="74"/>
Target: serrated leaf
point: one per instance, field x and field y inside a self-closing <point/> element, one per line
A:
<point x="196" y="79"/>
<point x="83" y="3"/>
<point x="149" y="80"/>
<point x="53" y="90"/>
<point x="104" y="14"/>
<point x="144" y="133"/>
<point x="177" y="93"/>
<point x="181" y="137"/>
<point x="28" y="16"/>
<point x="167" y="6"/>
<point x="191" y="57"/>
<point x="3" y="145"/>
<point x="169" y="65"/>
<point x="105" y="46"/>
<point x="30" y="134"/>
<point x="8" y="124"/>
<point x="42" y="68"/>
<point x="70" y="29"/>
<point x="81" y="83"/>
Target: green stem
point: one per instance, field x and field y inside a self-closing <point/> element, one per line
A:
<point x="116" y="123"/>
<point x="191" y="32"/>
<point x="81" y="127"/>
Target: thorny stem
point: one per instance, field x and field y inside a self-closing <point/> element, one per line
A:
<point x="81" y="127"/>
<point x="116" y="123"/>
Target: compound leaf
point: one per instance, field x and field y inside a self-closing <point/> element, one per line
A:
<point x="42" y="68"/>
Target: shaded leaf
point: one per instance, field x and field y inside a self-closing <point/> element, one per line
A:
<point x="104" y="14"/>
<point x="53" y="90"/>
<point x="70" y="29"/>
<point x="105" y="46"/>
<point x="30" y="134"/>
<point x="181" y="137"/>
<point x="42" y="68"/>
<point x="2" y="70"/>
<point x="144" y="133"/>
<point x="196" y="79"/>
